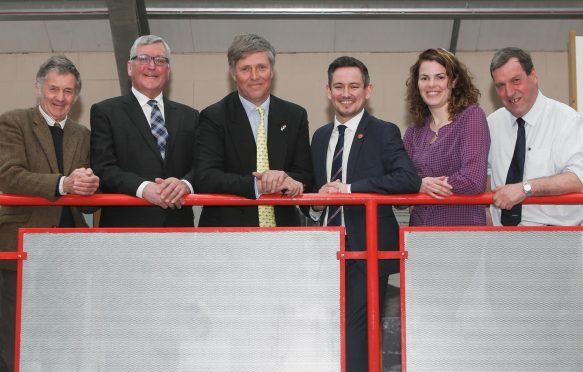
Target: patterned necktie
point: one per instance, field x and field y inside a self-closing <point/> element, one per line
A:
<point x="513" y="216"/>
<point x="335" y="211"/>
<point x="266" y="212"/>
<point x="158" y="128"/>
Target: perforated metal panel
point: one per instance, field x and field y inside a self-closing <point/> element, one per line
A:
<point x="494" y="301"/>
<point x="236" y="301"/>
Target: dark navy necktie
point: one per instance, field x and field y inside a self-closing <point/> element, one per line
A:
<point x="335" y="211"/>
<point x="513" y="216"/>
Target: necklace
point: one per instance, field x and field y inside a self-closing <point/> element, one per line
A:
<point x="437" y="128"/>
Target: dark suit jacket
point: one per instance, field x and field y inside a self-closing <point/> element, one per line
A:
<point x="28" y="166"/>
<point x="377" y="163"/>
<point x="124" y="154"/>
<point x="226" y="157"/>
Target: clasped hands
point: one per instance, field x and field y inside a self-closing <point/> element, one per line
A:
<point x="436" y="187"/>
<point x="81" y="181"/>
<point x="333" y="187"/>
<point x="276" y="181"/>
<point x="166" y="193"/>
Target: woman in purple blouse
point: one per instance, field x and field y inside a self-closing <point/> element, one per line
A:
<point x="448" y="140"/>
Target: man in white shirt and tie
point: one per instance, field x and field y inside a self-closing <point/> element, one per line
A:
<point x="551" y="153"/>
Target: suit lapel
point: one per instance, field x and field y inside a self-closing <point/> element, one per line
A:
<point x="71" y="142"/>
<point x="320" y="155"/>
<point x="44" y="137"/>
<point x="138" y="119"/>
<point x="276" y="135"/>
<point x="357" y="142"/>
<point x="241" y="133"/>
<point x="171" y="121"/>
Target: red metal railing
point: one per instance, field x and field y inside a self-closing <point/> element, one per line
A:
<point x="370" y="202"/>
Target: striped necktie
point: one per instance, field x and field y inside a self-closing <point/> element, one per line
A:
<point x="266" y="212"/>
<point x="335" y="211"/>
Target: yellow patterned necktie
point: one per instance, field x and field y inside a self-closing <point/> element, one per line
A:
<point x="266" y="212"/>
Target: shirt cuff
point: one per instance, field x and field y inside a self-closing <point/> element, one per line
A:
<point x="348" y="188"/>
<point x="140" y="191"/>
<point x="62" y="186"/>
<point x="189" y="186"/>
<point x="257" y="193"/>
<point x="315" y="215"/>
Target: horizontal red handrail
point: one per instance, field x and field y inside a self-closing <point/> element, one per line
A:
<point x="305" y="199"/>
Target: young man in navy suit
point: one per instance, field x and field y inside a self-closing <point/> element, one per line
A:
<point x="142" y="144"/>
<point x="373" y="160"/>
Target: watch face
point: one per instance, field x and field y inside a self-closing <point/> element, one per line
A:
<point x="527" y="188"/>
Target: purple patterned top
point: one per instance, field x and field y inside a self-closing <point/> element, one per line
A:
<point x="460" y="152"/>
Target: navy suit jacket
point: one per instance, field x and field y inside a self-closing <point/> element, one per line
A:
<point x="226" y="157"/>
<point x="124" y="154"/>
<point x="377" y="163"/>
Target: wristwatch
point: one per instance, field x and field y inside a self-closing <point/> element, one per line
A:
<point x="527" y="188"/>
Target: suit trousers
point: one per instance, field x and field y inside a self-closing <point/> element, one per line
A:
<point x="356" y="314"/>
<point x="7" y="319"/>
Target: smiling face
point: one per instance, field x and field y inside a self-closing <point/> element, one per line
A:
<point x="57" y="94"/>
<point x="347" y="92"/>
<point x="149" y="79"/>
<point x="516" y="89"/>
<point x="253" y="74"/>
<point x="434" y="85"/>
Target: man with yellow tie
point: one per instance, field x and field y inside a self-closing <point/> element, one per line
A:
<point x="252" y="143"/>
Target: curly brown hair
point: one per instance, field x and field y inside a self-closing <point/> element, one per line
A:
<point x="463" y="94"/>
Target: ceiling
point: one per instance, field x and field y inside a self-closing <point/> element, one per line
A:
<point x="293" y="26"/>
<point x="208" y="26"/>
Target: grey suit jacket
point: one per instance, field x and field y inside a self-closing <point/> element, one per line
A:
<point x="28" y="166"/>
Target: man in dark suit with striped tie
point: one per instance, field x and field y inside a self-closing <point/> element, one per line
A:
<point x="357" y="152"/>
<point x="142" y="144"/>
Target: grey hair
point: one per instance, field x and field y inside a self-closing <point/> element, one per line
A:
<point x="502" y="56"/>
<point x="61" y="65"/>
<point x="147" y="40"/>
<point x="246" y="44"/>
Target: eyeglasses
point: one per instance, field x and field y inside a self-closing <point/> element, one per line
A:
<point x="144" y="59"/>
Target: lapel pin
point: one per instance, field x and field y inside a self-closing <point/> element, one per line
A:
<point x="360" y="136"/>
<point x="283" y="127"/>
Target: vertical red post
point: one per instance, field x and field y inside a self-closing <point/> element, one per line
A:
<point x="372" y="290"/>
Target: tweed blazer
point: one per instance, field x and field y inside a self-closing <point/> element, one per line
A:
<point x="28" y="166"/>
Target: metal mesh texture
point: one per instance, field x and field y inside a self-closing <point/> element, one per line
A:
<point x="494" y="301"/>
<point x="200" y="301"/>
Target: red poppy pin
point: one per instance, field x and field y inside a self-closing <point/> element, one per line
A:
<point x="360" y="136"/>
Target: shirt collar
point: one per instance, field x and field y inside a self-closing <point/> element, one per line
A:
<point x="534" y="112"/>
<point x="250" y="107"/>
<point x="50" y="121"/>
<point x="143" y="99"/>
<point x="352" y="123"/>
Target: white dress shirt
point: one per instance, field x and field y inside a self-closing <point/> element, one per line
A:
<point x="349" y="132"/>
<point x="554" y="145"/>
<point x="147" y="109"/>
<point x="50" y="121"/>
